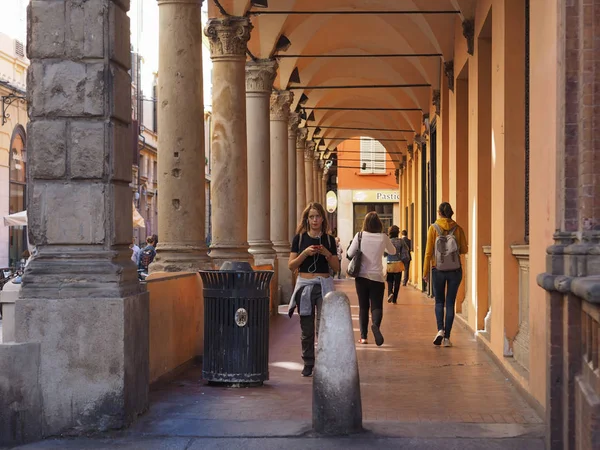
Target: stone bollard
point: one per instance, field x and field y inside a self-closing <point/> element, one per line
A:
<point x="337" y="407"/>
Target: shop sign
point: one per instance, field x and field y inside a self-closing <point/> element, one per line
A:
<point x="331" y="202"/>
<point x="376" y="196"/>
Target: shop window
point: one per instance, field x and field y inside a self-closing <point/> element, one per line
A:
<point x="385" y="211"/>
<point x="372" y="156"/>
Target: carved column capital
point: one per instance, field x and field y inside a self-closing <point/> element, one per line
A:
<point x="228" y="37"/>
<point x="411" y="150"/>
<point x="293" y="122"/>
<point x="260" y="75"/>
<point x="301" y="138"/>
<point x="437" y="101"/>
<point x="468" y="27"/>
<point x="449" y="71"/>
<point x="310" y="150"/>
<point x="280" y="104"/>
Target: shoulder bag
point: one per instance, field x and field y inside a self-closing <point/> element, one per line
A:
<point x="354" y="267"/>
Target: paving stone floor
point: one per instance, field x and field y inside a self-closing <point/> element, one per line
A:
<point x="414" y="396"/>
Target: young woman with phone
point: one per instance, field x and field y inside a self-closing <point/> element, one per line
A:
<point x="313" y="253"/>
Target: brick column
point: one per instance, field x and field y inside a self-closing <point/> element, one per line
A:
<point x="81" y="300"/>
<point x="228" y="38"/>
<point x="181" y="180"/>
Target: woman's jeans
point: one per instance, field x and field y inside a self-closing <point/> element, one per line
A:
<point x="393" y="280"/>
<point x="307" y="326"/>
<point x="445" y="287"/>
<point x="370" y="295"/>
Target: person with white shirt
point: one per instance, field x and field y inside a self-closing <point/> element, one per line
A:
<point x="370" y="282"/>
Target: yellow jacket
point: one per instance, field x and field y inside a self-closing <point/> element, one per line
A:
<point x="446" y="225"/>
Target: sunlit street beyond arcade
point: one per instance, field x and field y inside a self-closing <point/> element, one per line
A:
<point x="414" y="395"/>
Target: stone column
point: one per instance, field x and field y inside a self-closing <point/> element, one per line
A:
<point x="324" y="188"/>
<point x="293" y="122"/>
<point x="280" y="111"/>
<point x="316" y="178"/>
<point x="181" y="180"/>
<point x="81" y="302"/>
<point x="308" y="169"/>
<point x="259" y="84"/>
<point x="228" y="38"/>
<point x="301" y="201"/>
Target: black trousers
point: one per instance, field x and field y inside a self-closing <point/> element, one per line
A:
<point x="370" y="296"/>
<point x="307" y="325"/>
<point x="393" y="281"/>
<point x="406" y="269"/>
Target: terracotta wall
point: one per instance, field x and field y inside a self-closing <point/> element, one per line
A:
<point x="176" y="321"/>
<point x="352" y="179"/>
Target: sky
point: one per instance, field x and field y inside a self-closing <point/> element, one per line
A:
<point x="144" y="31"/>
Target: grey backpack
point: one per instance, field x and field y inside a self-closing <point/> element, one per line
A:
<point x="447" y="256"/>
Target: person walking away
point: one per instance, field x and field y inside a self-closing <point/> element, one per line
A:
<point x="407" y="260"/>
<point x="446" y="241"/>
<point x="147" y="254"/>
<point x="340" y="254"/>
<point x="370" y="282"/>
<point x="313" y="254"/>
<point x="395" y="264"/>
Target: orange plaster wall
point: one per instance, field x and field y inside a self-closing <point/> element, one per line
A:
<point x="176" y="321"/>
<point x="351" y="178"/>
<point x="546" y="108"/>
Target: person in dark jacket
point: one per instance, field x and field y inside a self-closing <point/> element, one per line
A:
<point x="406" y="261"/>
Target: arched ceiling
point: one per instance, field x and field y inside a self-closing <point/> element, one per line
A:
<point x="426" y="29"/>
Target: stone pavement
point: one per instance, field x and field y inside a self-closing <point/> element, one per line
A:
<point x="414" y="396"/>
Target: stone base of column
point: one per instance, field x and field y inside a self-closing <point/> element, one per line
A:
<point x="221" y="253"/>
<point x="261" y="250"/>
<point x="93" y="360"/>
<point x="285" y="274"/>
<point x="180" y="258"/>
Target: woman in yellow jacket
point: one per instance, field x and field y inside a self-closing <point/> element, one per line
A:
<point x="445" y="283"/>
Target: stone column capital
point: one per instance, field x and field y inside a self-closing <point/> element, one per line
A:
<point x="280" y="104"/>
<point x="228" y="37"/>
<point x="293" y="122"/>
<point x="301" y="138"/>
<point x="260" y="76"/>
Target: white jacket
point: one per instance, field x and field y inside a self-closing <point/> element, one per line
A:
<point x="372" y="246"/>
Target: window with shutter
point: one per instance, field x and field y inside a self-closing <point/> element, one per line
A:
<point x="372" y="156"/>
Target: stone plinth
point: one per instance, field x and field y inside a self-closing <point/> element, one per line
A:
<point x="8" y="296"/>
<point x="337" y="406"/>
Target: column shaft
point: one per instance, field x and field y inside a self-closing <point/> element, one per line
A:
<point x="259" y="84"/>
<point x="316" y="179"/>
<point x="228" y="39"/>
<point x="301" y="199"/>
<point x="181" y="180"/>
<point x="309" y="173"/>
<point x="292" y="173"/>
<point x="280" y="110"/>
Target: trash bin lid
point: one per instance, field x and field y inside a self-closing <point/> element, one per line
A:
<point x="237" y="266"/>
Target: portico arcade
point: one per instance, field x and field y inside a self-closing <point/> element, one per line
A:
<point x="488" y="104"/>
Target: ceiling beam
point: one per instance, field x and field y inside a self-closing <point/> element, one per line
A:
<point x="354" y="13"/>
<point x="323" y="127"/>
<point x="385" y="55"/>
<point x="327" y="108"/>
<point x="363" y="86"/>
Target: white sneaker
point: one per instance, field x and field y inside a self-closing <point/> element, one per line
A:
<point x="447" y="342"/>
<point x="439" y="337"/>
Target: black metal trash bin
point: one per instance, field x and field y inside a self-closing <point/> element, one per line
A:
<point x="236" y="324"/>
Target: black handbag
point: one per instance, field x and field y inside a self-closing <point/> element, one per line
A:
<point x="354" y="266"/>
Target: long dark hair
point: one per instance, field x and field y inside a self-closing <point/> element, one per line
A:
<point x="393" y="231"/>
<point x="446" y="210"/>
<point x="372" y="223"/>
<point x="302" y="226"/>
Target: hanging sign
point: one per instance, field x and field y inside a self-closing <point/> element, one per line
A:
<point x="331" y="201"/>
